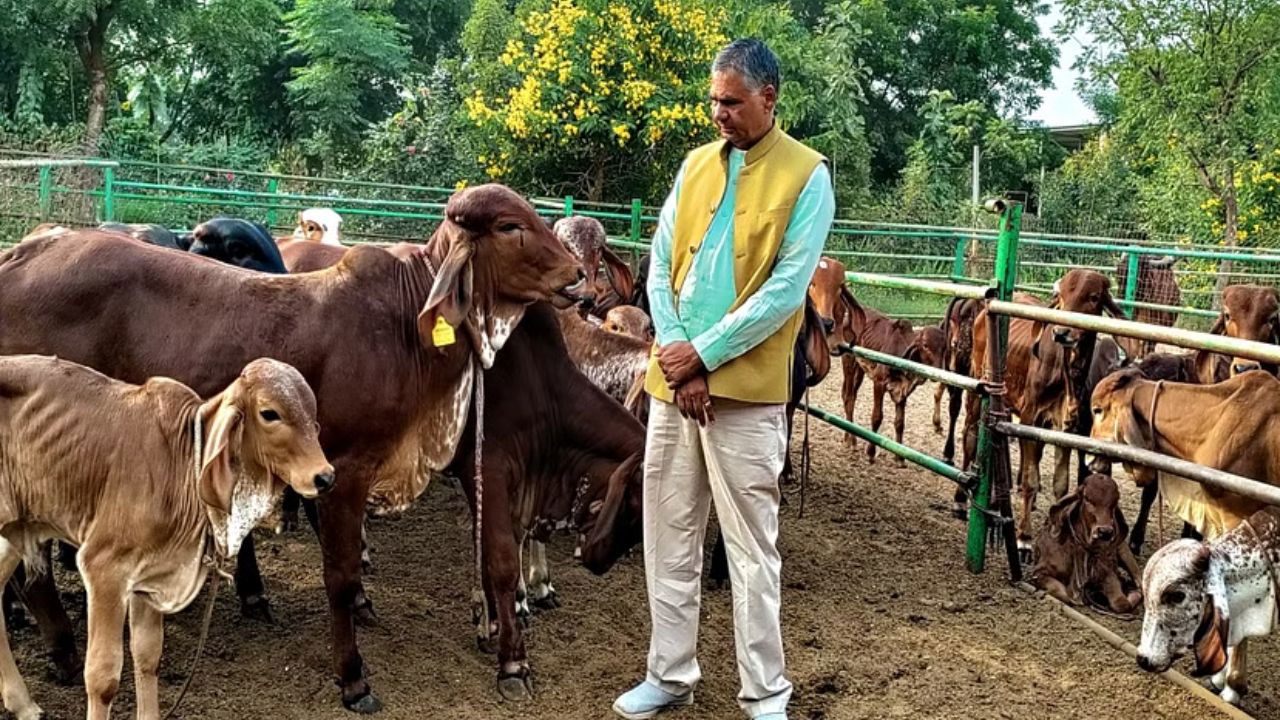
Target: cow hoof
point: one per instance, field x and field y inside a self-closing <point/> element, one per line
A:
<point x="900" y="462"/>
<point x="486" y="645"/>
<point x="257" y="607"/>
<point x="365" y="617"/>
<point x="550" y="601"/>
<point x="937" y="429"/>
<point x="516" y="688"/>
<point x="1230" y="696"/>
<point x="288" y="523"/>
<point x="960" y="511"/>
<point x="66" y="668"/>
<point x="366" y="704"/>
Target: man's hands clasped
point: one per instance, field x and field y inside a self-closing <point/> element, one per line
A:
<point x="685" y="373"/>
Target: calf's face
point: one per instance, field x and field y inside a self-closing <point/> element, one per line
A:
<point x="629" y="320"/>
<point x="1082" y="291"/>
<point x="1249" y="312"/>
<point x="497" y="245"/>
<point x="261" y="434"/>
<point x="1184" y="610"/>
<point x="834" y="305"/>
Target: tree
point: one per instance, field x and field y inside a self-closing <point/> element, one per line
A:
<point x="989" y="51"/>
<point x="597" y="97"/>
<point x="349" y="78"/>
<point x="1196" y="78"/>
<point x="108" y="37"/>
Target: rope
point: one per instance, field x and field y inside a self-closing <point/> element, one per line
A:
<point x="804" y="455"/>
<point x="209" y="558"/>
<point x="1151" y="421"/>
<point x="479" y="490"/>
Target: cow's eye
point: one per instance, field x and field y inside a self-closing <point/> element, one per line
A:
<point x="509" y="227"/>
<point x="1097" y="411"/>
<point x="1172" y="597"/>
<point x="269" y="415"/>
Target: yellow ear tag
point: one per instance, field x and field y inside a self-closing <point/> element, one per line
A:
<point x="442" y="333"/>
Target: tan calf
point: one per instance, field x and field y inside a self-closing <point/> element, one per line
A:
<point x="149" y="483"/>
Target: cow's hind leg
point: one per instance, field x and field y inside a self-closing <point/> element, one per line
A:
<point x="1061" y="471"/>
<point x="1029" y="471"/>
<point x="877" y="414"/>
<point x="541" y="591"/>
<point x="955" y="397"/>
<point x="502" y="575"/>
<point x="899" y="426"/>
<point x="937" y="408"/>
<point x="1138" y="533"/>
<point x="341" y="515"/>
<point x="17" y="699"/>
<point x="249" y="586"/>
<point x="853" y="375"/>
<point x="40" y="594"/>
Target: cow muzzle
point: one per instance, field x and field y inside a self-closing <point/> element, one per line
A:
<point x="1065" y="336"/>
<point x="1241" y="367"/>
<point x="324" y="482"/>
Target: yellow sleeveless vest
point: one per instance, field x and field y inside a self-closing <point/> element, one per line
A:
<point x="776" y="170"/>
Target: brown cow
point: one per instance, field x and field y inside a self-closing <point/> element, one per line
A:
<point x="612" y="361"/>
<point x="373" y="324"/>
<point x="1157" y="285"/>
<point x="1228" y="426"/>
<point x="1249" y="312"/>
<point x="848" y="322"/>
<point x="1041" y="368"/>
<point x="197" y="477"/>
<point x="957" y="331"/>
<point x="1081" y="549"/>
<point x="585" y="238"/>
<point x="550" y="457"/>
<point x="629" y="320"/>
<point x="558" y="452"/>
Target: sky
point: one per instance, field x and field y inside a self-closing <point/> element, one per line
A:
<point x="1060" y="104"/>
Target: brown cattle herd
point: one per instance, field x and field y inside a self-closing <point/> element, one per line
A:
<point x="241" y="369"/>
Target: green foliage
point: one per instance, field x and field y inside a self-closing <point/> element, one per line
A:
<point x="349" y="76"/>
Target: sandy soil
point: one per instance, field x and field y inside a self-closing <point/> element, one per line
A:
<point x="881" y="620"/>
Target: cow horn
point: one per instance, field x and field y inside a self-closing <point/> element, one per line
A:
<point x="1163" y="262"/>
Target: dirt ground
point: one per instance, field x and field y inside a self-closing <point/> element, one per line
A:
<point x="881" y="620"/>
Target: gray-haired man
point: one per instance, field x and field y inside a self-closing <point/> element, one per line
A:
<point x="737" y="242"/>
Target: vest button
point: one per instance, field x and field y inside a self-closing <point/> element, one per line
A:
<point x="693" y="249"/>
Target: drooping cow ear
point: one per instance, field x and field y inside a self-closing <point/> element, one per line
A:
<point x="1211" y="639"/>
<point x="451" y="293"/>
<point x="619" y="272"/>
<point x="223" y="424"/>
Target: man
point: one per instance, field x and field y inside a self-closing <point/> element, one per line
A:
<point x="737" y="243"/>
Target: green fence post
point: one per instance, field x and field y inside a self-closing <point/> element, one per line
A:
<point x="46" y="192"/>
<point x="272" y="185"/>
<point x="108" y="194"/>
<point x="636" y="210"/>
<point x="1131" y="282"/>
<point x="957" y="266"/>
<point x="1006" y="278"/>
<point x="568" y="205"/>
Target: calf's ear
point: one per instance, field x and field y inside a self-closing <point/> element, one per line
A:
<point x="223" y="429"/>
<point x="1211" y="639"/>
<point x="451" y="293"/>
<point x="619" y="272"/>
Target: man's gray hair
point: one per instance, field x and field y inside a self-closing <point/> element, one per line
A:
<point x="751" y="59"/>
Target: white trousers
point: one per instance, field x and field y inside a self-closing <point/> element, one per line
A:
<point x="734" y="461"/>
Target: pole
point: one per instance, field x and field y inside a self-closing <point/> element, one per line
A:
<point x="636" y="209"/>
<point x="1131" y="282"/>
<point x="46" y="192"/>
<point x="957" y="264"/>
<point x="272" y="185"/>
<point x="568" y="205"/>
<point x="988" y="455"/>
<point x="108" y="194"/>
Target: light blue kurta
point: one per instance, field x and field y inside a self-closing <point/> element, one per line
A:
<point x="701" y="312"/>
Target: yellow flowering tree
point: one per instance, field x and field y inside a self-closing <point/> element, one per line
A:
<point x="596" y="97"/>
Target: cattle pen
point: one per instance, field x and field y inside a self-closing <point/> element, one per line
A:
<point x="76" y="191"/>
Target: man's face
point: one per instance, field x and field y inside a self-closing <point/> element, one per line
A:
<point x="742" y="115"/>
